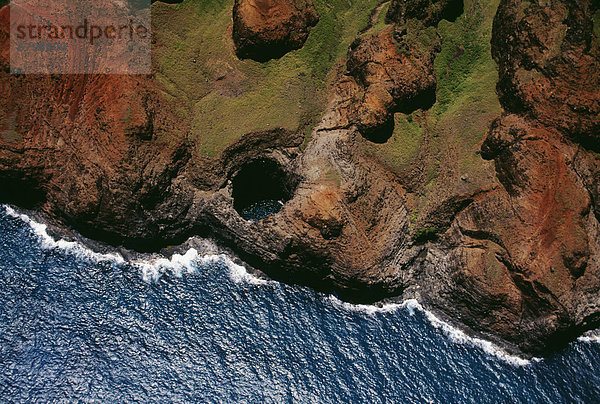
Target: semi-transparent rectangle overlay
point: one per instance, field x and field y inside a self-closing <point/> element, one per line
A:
<point x="80" y="37"/>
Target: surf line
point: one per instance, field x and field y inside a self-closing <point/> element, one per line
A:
<point x="47" y="242"/>
<point x="454" y="334"/>
<point x="593" y="338"/>
<point x="155" y="266"/>
<point x="152" y="267"/>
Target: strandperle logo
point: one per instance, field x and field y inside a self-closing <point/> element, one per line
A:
<point x="80" y="37"/>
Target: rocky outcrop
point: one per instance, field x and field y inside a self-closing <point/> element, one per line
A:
<point x="393" y="70"/>
<point x="388" y="81"/>
<point x="515" y="259"/>
<point x="268" y="29"/>
<point x="548" y="87"/>
<point x="552" y="74"/>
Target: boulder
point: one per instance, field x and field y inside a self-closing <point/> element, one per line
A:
<point x="268" y="29"/>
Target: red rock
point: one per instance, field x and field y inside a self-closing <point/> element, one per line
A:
<point x="268" y="29"/>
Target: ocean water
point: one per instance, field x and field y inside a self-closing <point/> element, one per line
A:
<point x="261" y="209"/>
<point x="79" y="326"/>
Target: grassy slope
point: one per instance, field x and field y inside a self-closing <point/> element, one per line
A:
<point x="444" y="140"/>
<point x="194" y="48"/>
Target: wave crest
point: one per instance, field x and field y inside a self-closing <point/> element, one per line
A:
<point x="454" y="334"/>
<point x="73" y="247"/>
<point x="152" y="267"/>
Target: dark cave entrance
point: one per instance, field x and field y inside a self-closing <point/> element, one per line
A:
<point x="20" y="190"/>
<point x="453" y="10"/>
<point x="424" y="100"/>
<point x="260" y="188"/>
<point x="380" y="134"/>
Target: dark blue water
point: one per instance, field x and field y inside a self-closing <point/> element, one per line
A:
<point x="75" y="329"/>
<point x="261" y="209"/>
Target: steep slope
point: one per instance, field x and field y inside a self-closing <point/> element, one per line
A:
<point x="401" y="171"/>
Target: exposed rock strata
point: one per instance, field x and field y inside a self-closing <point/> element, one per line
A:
<point x="517" y="260"/>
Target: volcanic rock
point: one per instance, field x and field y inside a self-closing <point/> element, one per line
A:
<point x="514" y="257"/>
<point x="268" y="29"/>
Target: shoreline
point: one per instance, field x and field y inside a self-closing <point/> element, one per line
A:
<point x="185" y="256"/>
<point x="392" y="184"/>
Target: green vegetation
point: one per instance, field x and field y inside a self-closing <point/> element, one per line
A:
<point x="418" y="38"/>
<point x="333" y="176"/>
<point x="222" y="97"/>
<point x="11" y="136"/>
<point x="426" y="234"/>
<point x="403" y="147"/>
<point x="462" y="54"/>
<point x="493" y="269"/>
<point x="127" y="118"/>
<point x="380" y="24"/>
<point x="447" y="137"/>
<point x="8" y="130"/>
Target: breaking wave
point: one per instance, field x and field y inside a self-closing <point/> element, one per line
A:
<point x="590" y="338"/>
<point x="154" y="266"/>
<point x="72" y="247"/>
<point x="454" y="334"/>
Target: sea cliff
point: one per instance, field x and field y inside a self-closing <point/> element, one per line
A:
<point x="428" y="149"/>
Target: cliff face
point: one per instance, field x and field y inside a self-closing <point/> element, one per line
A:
<point x="549" y="63"/>
<point x="504" y="236"/>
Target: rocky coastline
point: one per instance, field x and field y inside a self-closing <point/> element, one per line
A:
<point x="511" y="253"/>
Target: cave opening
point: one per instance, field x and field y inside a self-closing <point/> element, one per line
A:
<point x="424" y="101"/>
<point x="260" y="188"/>
<point x="453" y="10"/>
<point x="379" y="134"/>
<point x="21" y="191"/>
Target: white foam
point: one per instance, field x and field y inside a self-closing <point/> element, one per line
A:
<point x="454" y="334"/>
<point x="593" y="338"/>
<point x="365" y="308"/>
<point x="152" y="268"/>
<point x="48" y="242"/>
<point x="459" y="337"/>
<point x="239" y="274"/>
